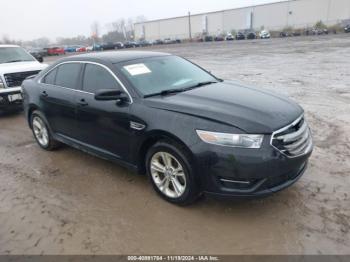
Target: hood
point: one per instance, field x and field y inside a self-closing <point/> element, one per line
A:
<point x="253" y="110"/>
<point x="21" y="67"/>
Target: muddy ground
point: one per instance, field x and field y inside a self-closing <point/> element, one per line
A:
<point x="68" y="202"/>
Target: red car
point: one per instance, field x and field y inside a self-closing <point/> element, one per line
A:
<point x="55" y="51"/>
<point x="81" y="49"/>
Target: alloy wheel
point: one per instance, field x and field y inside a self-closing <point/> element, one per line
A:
<point x="168" y="174"/>
<point x="40" y="131"/>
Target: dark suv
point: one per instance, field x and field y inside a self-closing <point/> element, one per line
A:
<point x="160" y="114"/>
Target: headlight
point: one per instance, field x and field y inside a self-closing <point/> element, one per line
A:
<point x="232" y="140"/>
<point x="2" y="85"/>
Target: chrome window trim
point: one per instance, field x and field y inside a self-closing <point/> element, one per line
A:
<point x="307" y="150"/>
<point x="81" y="91"/>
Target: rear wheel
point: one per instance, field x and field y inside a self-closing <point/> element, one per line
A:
<point x="170" y="173"/>
<point x="41" y="132"/>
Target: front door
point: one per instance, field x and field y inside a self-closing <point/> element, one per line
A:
<point x="103" y="125"/>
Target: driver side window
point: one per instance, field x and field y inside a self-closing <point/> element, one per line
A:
<point x="96" y="77"/>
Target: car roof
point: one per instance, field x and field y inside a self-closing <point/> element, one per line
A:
<point x="116" y="56"/>
<point x="8" y="46"/>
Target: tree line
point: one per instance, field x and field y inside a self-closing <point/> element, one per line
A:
<point x="120" y="30"/>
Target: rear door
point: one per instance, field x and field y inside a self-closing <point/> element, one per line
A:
<point x="58" y="92"/>
<point x="103" y="125"/>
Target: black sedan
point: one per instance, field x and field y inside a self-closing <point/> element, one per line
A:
<point x="251" y="35"/>
<point x="37" y="54"/>
<point x="159" y="114"/>
<point x="240" y="36"/>
<point x="108" y="46"/>
<point x="347" y="29"/>
<point x="131" y="44"/>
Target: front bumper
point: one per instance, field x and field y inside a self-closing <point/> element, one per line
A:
<point x="237" y="172"/>
<point x="5" y="102"/>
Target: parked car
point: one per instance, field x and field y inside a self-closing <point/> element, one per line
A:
<point x="229" y="37"/>
<point x="144" y="43"/>
<point x="318" y="31"/>
<point x="71" y="49"/>
<point x="347" y="29"/>
<point x="208" y="38"/>
<point x="40" y="51"/>
<point x="16" y="64"/>
<point x="108" y="46"/>
<point x="95" y="47"/>
<point x="296" y="33"/>
<point x="37" y="54"/>
<point x="55" y="51"/>
<point x="81" y="49"/>
<point x="158" y="114"/>
<point x="284" y="34"/>
<point x="119" y="45"/>
<point x="158" y="42"/>
<point x="130" y="44"/>
<point x="251" y="35"/>
<point x="240" y="36"/>
<point x="219" y="38"/>
<point x="264" y="34"/>
<point x="169" y="41"/>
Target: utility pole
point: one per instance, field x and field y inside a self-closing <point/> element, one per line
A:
<point x="189" y="26"/>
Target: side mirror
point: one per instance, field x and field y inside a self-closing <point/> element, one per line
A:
<point x="40" y="59"/>
<point x="110" y="95"/>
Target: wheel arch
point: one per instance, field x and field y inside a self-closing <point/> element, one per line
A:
<point x="151" y="139"/>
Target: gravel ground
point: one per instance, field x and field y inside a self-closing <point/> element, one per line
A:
<point x="68" y="202"/>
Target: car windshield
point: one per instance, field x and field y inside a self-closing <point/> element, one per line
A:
<point x="14" y="54"/>
<point x="158" y="75"/>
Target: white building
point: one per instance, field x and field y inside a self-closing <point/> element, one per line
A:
<point x="274" y="16"/>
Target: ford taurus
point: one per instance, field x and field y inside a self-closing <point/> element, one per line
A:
<point x="155" y="113"/>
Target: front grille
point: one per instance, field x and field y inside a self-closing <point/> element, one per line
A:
<point x="16" y="79"/>
<point x="293" y="140"/>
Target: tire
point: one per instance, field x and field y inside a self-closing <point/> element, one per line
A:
<point x="42" y="132"/>
<point x="180" y="188"/>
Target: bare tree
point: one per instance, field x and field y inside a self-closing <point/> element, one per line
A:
<point x="122" y="29"/>
<point x="118" y="25"/>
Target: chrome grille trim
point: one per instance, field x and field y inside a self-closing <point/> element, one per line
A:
<point x="293" y="143"/>
<point x="293" y="136"/>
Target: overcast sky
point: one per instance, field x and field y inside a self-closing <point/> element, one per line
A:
<point x="29" y="19"/>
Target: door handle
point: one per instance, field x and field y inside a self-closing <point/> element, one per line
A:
<point x="44" y="94"/>
<point x="82" y="102"/>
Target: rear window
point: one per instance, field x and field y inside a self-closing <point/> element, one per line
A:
<point x="68" y="75"/>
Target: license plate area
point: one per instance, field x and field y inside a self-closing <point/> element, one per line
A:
<point x="15" y="97"/>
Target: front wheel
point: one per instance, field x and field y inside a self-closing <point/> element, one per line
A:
<point x="170" y="173"/>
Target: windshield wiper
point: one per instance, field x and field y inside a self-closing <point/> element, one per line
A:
<point x="167" y="92"/>
<point x="172" y="91"/>
<point x="202" y="84"/>
<point x="180" y="90"/>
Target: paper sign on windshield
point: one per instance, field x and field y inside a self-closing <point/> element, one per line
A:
<point x="137" y="69"/>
